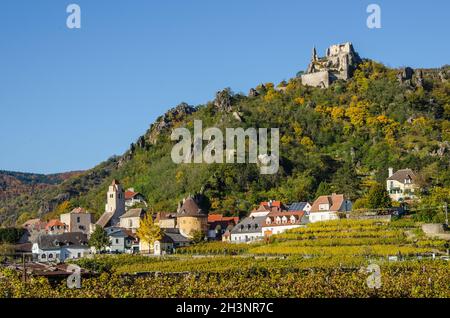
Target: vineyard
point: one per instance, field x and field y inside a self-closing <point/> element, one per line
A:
<point x="403" y="279"/>
<point x="327" y="259"/>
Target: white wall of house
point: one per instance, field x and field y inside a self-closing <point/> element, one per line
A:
<point x="280" y="228"/>
<point x="130" y="223"/>
<point x="323" y="216"/>
<point x="119" y="245"/>
<point x="59" y="254"/>
<point x="246" y="237"/>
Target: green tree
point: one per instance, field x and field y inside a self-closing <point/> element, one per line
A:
<point x="148" y="231"/>
<point x="99" y="239"/>
<point x="378" y="197"/>
<point x="198" y="237"/>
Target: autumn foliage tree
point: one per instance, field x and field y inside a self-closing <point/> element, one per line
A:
<point x="148" y="231"/>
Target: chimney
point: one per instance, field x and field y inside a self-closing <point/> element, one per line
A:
<point x="391" y="172"/>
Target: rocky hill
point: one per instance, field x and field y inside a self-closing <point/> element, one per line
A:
<point x="340" y="138"/>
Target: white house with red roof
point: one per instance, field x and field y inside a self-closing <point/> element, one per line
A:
<point x="328" y="207"/>
<point x="279" y="222"/>
<point x="132" y="198"/>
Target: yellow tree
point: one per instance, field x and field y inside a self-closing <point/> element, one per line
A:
<point x="148" y="232"/>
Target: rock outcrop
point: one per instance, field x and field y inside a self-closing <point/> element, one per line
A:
<point x="224" y="100"/>
<point x="167" y="120"/>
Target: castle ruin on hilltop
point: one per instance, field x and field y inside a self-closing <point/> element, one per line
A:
<point x="340" y="62"/>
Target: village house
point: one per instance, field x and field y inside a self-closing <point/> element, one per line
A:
<point x="166" y="220"/>
<point x="328" y="207"/>
<point x="133" y="198"/>
<point x="219" y="224"/>
<point x="60" y="247"/>
<point x="279" y="222"/>
<point x="170" y="241"/>
<point x="300" y="206"/>
<point x="121" y="241"/>
<point x="250" y="229"/>
<point x="54" y="227"/>
<point x="402" y="185"/>
<point x="78" y="220"/>
<point x="131" y="220"/>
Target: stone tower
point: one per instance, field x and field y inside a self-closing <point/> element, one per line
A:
<point x="191" y="218"/>
<point x="115" y="201"/>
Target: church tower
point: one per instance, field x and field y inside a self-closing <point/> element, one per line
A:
<point x="115" y="201"/>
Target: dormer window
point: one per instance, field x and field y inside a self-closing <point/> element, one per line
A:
<point x="324" y="207"/>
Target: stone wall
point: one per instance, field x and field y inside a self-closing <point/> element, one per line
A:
<point x="318" y="79"/>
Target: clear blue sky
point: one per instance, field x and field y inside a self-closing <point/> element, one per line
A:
<point x="70" y="99"/>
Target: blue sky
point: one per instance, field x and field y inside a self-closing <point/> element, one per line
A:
<point x="70" y="99"/>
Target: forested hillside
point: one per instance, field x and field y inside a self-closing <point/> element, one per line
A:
<point x="339" y="139"/>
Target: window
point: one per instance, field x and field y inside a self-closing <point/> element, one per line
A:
<point x="50" y="255"/>
<point x="130" y="223"/>
<point x="78" y="219"/>
<point x="117" y="241"/>
<point x="323" y="207"/>
<point x="43" y="256"/>
<point x="79" y="255"/>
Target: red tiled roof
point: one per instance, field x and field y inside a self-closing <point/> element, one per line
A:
<point x="78" y="210"/>
<point x="335" y="202"/>
<point x="54" y="223"/>
<point x="287" y="214"/>
<point x="220" y="217"/>
<point x="277" y="204"/>
<point x="130" y="194"/>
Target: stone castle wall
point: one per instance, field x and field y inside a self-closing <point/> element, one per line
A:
<point x="318" y="79"/>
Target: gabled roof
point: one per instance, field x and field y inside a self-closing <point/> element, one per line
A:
<point x="133" y="213"/>
<point x="251" y="224"/>
<point x="105" y="219"/>
<point x="403" y="174"/>
<point x="71" y="239"/>
<point x="131" y="194"/>
<point x="334" y="201"/>
<point x="119" y="232"/>
<point x="299" y="215"/>
<point x="174" y="236"/>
